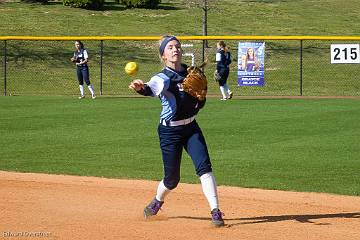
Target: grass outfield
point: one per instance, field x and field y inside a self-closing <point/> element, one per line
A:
<point x="287" y="144"/>
<point x="39" y="67"/>
<point x="245" y="17"/>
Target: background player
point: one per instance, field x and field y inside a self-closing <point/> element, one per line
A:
<point x="80" y="58"/>
<point x="223" y="60"/>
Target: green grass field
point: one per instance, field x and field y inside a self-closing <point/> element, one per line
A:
<point x="238" y="17"/>
<point x="288" y="144"/>
<point x="43" y="67"/>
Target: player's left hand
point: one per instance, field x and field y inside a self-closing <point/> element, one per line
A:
<point x="195" y="82"/>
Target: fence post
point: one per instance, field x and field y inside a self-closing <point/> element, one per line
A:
<point x="5" y="59"/>
<point x="101" y="65"/>
<point x="301" y="66"/>
<point x="203" y="51"/>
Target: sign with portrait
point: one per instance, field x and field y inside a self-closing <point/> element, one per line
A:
<point x="251" y="64"/>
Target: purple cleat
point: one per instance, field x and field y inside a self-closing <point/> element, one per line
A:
<point x="216" y="218"/>
<point x="153" y="208"/>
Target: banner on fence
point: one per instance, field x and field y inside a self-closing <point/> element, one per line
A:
<point x="251" y="63"/>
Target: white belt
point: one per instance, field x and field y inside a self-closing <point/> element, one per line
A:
<point x="177" y="123"/>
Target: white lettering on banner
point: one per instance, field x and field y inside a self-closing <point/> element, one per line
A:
<point x="250" y="83"/>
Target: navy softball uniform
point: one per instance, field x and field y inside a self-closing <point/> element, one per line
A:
<point x="178" y="128"/>
<point x="82" y="70"/>
<point x="223" y="60"/>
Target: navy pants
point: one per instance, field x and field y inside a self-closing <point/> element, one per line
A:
<point x="83" y="74"/>
<point x="224" y="73"/>
<point x="172" y="142"/>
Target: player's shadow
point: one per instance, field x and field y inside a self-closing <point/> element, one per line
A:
<point x="306" y="218"/>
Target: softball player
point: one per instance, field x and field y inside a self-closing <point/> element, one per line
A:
<point x="178" y="129"/>
<point x="80" y="58"/>
<point x="223" y="60"/>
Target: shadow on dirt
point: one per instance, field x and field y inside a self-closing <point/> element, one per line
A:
<point x="265" y="219"/>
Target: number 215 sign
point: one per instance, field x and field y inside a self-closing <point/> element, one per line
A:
<point x="345" y="53"/>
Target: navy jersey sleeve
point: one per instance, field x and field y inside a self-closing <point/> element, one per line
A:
<point x="146" y="91"/>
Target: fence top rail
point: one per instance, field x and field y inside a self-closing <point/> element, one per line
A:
<point x="152" y="38"/>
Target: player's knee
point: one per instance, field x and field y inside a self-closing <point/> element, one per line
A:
<point x="206" y="168"/>
<point x="171" y="183"/>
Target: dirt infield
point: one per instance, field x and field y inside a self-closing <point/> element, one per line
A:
<point x="41" y="206"/>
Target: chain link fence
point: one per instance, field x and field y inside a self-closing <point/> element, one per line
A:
<point x="292" y="67"/>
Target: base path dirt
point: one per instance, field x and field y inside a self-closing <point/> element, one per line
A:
<point x="42" y="206"/>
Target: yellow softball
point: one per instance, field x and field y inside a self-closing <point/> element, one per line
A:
<point x="131" y="68"/>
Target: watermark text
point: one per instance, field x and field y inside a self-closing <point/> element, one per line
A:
<point x="24" y="234"/>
